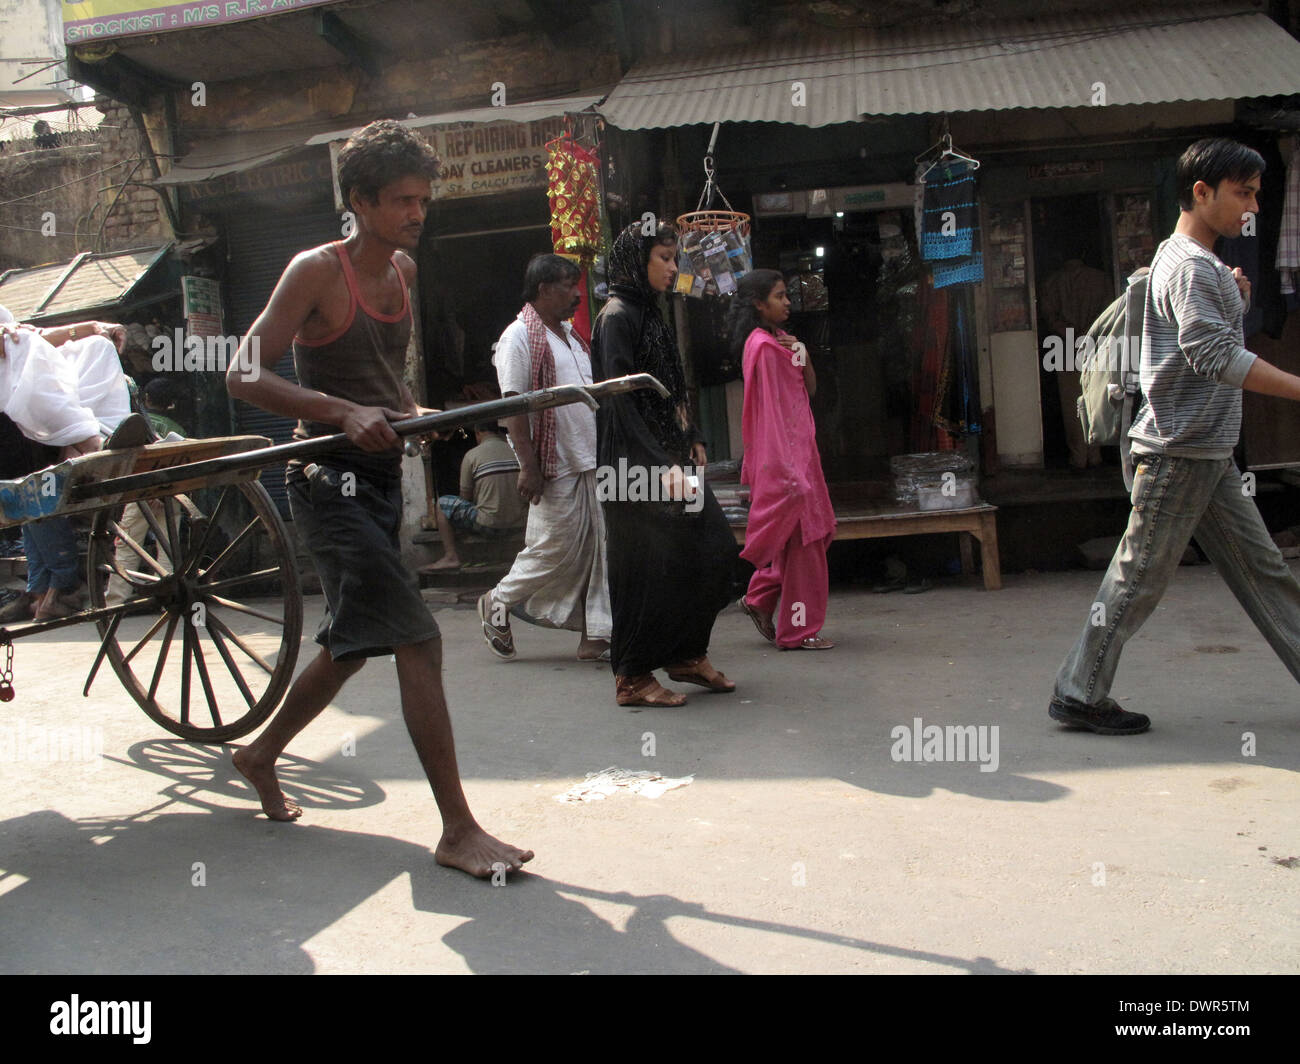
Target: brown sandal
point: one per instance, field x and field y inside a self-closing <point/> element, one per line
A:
<point x="762" y="621"/>
<point x="644" y="691"/>
<point x="701" y="673"/>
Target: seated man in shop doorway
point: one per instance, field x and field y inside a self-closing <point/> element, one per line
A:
<point x="488" y="504"/>
<point x="345" y="308"/>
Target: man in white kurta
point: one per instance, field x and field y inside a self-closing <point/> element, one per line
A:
<point x="558" y="580"/>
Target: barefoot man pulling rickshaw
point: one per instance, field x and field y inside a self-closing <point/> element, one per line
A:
<point x="345" y="309"/>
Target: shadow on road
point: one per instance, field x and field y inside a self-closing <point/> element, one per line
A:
<point x="124" y="896"/>
<point x="206" y="767"/>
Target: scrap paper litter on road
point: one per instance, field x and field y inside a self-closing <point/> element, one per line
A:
<point x="597" y="786"/>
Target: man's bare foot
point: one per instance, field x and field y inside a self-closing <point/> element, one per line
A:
<point x="593" y="650"/>
<point x="477" y="852"/>
<point x="447" y="561"/>
<point x="274" y="804"/>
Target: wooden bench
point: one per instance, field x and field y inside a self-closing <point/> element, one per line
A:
<point x="871" y="519"/>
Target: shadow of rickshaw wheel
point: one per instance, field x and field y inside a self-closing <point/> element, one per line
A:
<point x="206" y="767"/>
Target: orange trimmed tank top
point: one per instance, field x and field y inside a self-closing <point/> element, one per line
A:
<point x="361" y="362"/>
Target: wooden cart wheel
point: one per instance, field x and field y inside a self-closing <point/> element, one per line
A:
<point x="209" y="647"/>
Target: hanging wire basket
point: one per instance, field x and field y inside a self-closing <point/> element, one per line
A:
<point x="705" y="219"/>
<point x="714" y="222"/>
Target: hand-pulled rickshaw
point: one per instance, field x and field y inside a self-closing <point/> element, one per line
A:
<point x="225" y="574"/>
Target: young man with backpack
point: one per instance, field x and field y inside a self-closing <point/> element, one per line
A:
<point x="1194" y="365"/>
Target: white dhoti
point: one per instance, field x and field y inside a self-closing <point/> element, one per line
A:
<point x="558" y="579"/>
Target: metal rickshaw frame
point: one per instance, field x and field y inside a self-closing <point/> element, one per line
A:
<point x="191" y="584"/>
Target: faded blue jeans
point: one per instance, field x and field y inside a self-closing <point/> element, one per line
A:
<point x="51" y="549"/>
<point x="1175" y="499"/>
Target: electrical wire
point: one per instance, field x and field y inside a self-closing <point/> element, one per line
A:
<point x="25" y="229"/>
<point x="66" y="184"/>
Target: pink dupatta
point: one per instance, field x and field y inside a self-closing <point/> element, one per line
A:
<point x="781" y="465"/>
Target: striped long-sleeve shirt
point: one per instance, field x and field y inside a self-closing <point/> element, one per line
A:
<point x="1194" y="358"/>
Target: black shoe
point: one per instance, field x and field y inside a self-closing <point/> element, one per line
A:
<point x="133" y="430"/>
<point x="1105" y="719"/>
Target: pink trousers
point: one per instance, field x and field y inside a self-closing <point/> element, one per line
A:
<point x="797" y="577"/>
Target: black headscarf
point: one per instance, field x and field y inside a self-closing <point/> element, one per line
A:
<point x="656" y="349"/>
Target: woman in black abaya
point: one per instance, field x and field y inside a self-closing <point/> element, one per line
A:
<point x="671" y="563"/>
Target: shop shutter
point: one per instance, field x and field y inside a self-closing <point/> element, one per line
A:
<point x="261" y="242"/>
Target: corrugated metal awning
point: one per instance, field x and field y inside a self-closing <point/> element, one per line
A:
<point x="514" y="112"/>
<point x="235" y="152"/>
<point x="232" y="153"/>
<point x="1177" y="53"/>
<point x="87" y="283"/>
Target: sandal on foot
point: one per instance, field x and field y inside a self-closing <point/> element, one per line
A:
<point x="813" y="642"/>
<point x="499" y="640"/>
<point x="701" y="673"/>
<point x="762" y="621"/>
<point x="644" y="691"/>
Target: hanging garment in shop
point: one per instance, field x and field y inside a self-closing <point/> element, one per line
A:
<point x="955" y="408"/>
<point x="1288" y="244"/>
<point x="966" y="270"/>
<point x="969" y="270"/>
<point x="950" y="211"/>
<point x="932" y="345"/>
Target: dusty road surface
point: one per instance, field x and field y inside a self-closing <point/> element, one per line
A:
<point x="815" y="835"/>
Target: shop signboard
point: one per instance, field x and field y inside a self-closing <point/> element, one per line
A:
<point x="486" y="158"/>
<point x="872" y="197"/>
<point x="99" y="20"/>
<point x="482" y="158"/>
<point x="820" y="202"/>
<point x="202" y="297"/>
<point x="282" y="184"/>
<point x="1064" y="171"/>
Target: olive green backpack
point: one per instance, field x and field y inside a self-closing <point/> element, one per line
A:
<point x="1108" y="371"/>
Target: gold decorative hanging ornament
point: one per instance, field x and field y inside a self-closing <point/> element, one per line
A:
<point x="573" y="189"/>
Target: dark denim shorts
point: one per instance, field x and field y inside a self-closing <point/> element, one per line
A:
<point x="349" y="522"/>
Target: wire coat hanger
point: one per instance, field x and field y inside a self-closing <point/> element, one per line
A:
<point x="946" y="151"/>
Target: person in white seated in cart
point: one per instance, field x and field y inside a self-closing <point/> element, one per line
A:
<point x="62" y="387"/>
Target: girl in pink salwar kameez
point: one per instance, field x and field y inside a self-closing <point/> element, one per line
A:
<point x="791" y="521"/>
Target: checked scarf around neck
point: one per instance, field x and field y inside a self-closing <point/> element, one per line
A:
<point x="542" y="367"/>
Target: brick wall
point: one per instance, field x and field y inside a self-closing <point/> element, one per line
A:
<point x="46" y="199"/>
<point x="131" y="216"/>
